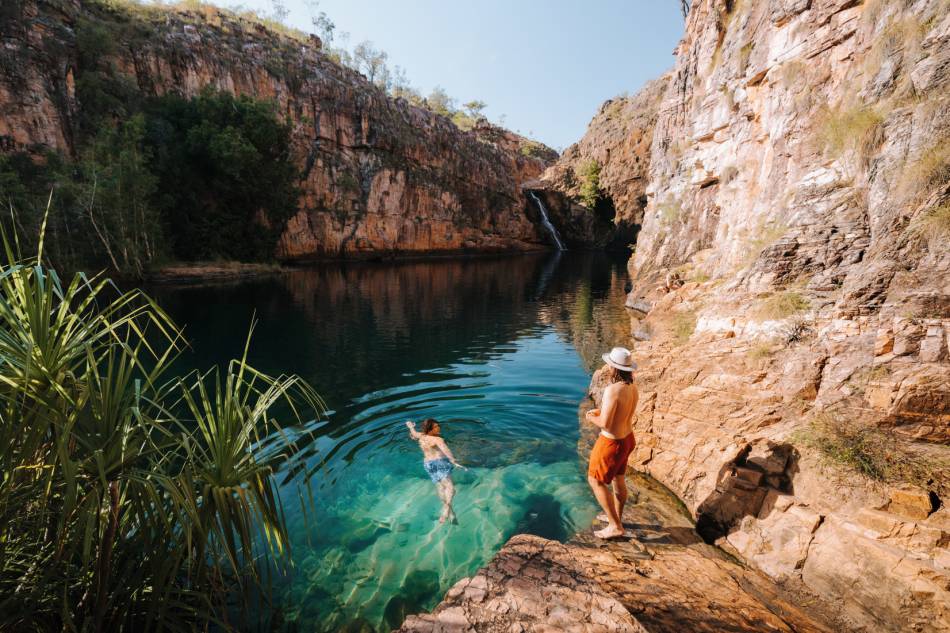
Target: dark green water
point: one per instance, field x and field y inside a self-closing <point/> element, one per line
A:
<point x="498" y="349"/>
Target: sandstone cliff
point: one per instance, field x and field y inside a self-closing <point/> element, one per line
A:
<point x="618" y="141"/>
<point x="380" y="176"/>
<point x="793" y="279"/>
<point x="790" y="314"/>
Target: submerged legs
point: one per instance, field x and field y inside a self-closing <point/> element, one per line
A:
<point x="446" y="491"/>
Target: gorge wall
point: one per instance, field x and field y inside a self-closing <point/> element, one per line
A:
<point x="792" y="295"/>
<point x="617" y="146"/>
<point x="790" y="309"/>
<point x="379" y="175"/>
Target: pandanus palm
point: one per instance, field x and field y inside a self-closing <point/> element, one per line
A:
<point x="130" y="501"/>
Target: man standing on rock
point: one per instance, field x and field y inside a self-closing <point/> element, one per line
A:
<point x="608" y="459"/>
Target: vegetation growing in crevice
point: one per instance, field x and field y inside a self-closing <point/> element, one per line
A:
<point x="872" y="452"/>
<point x="762" y="350"/>
<point x="670" y="212"/>
<point x="934" y="226"/>
<point x="588" y="176"/>
<point x="849" y="129"/>
<point x="929" y="170"/>
<point x="682" y="326"/>
<point x="782" y="305"/>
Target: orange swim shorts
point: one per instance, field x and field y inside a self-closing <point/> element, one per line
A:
<point x="609" y="457"/>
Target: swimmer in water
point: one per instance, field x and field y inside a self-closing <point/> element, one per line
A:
<point x="438" y="462"/>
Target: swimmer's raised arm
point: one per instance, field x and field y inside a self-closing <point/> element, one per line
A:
<point x="413" y="433"/>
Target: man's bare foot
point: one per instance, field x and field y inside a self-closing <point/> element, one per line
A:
<point x="609" y="532"/>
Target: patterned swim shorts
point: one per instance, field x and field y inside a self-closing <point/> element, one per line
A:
<point x="438" y="469"/>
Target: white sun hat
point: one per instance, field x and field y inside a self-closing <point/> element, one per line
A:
<point x="621" y="358"/>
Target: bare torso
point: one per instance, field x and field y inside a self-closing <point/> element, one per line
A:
<point x="618" y="408"/>
<point x="432" y="447"/>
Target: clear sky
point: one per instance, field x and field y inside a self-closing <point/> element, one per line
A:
<point x="545" y="65"/>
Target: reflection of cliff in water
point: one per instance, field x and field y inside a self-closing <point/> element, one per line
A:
<point x="333" y="323"/>
<point x="591" y="316"/>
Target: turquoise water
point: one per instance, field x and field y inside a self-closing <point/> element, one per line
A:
<point x="496" y="349"/>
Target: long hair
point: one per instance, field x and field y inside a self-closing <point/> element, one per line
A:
<point x="428" y="425"/>
<point x="618" y="375"/>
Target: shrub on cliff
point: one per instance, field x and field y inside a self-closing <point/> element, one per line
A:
<point x="130" y="500"/>
<point x="588" y="175"/>
<point x="205" y="178"/>
<point x="782" y="305"/>
<point x="849" y="130"/>
<point x="226" y="178"/>
<point x="933" y="226"/>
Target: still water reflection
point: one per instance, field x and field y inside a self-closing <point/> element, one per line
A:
<point x="499" y="350"/>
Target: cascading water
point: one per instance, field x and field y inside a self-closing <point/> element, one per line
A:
<point x="546" y="221"/>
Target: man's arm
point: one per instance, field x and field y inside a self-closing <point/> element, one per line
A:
<point x="413" y="433"/>
<point x="445" y="451"/>
<point x="599" y="417"/>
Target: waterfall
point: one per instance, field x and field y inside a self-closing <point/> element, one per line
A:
<point x="546" y="221"/>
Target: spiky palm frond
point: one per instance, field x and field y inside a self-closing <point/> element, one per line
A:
<point x="129" y="501"/>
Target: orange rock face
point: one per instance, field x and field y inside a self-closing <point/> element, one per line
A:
<point x="379" y="175"/>
<point x="790" y="270"/>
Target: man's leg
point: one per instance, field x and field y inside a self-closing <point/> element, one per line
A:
<point x="605" y="497"/>
<point x="449" y="496"/>
<point x="620" y="489"/>
<point x="446" y="492"/>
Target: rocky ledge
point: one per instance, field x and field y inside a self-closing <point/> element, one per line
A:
<point x="662" y="578"/>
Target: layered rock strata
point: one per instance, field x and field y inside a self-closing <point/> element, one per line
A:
<point x="792" y="289"/>
<point x="379" y="176"/>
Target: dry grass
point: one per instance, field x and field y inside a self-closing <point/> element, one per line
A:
<point x="934" y="226"/>
<point x="851" y="130"/>
<point x="930" y="170"/>
<point x="744" y="54"/>
<point x="782" y="305"/>
<point x="872" y="452"/>
<point x="763" y="350"/>
<point x="682" y="326"/>
<point x="670" y="212"/>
